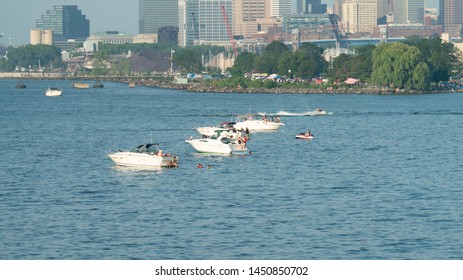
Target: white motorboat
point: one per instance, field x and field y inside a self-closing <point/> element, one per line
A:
<point x="252" y="124"/>
<point x="146" y="155"/>
<point x="223" y="143"/>
<point x="53" y="91"/>
<point x="211" y="130"/>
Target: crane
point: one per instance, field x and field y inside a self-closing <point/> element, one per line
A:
<point x="339" y="33"/>
<point x="230" y="35"/>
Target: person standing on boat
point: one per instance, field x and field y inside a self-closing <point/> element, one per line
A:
<point x="244" y="140"/>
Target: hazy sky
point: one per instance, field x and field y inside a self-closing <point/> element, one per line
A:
<point x="17" y="17"/>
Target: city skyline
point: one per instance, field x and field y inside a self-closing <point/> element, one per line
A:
<point x="16" y="21"/>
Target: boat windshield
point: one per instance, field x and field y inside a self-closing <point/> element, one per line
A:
<point x="147" y="148"/>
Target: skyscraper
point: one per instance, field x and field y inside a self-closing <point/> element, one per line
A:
<point x="359" y="15"/>
<point x="203" y="20"/>
<point x="451" y="16"/>
<point x="154" y="14"/>
<point x="409" y="11"/>
<point x="310" y="7"/>
<point x="67" y="22"/>
<point x="245" y="14"/>
<point x="280" y="8"/>
<point x="188" y="22"/>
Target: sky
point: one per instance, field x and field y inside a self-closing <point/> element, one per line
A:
<point x="17" y="17"/>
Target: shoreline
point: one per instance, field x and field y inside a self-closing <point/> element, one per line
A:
<point x="203" y="87"/>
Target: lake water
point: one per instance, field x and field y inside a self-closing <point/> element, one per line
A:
<point x="381" y="180"/>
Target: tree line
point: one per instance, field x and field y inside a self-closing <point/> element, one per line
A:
<point x="415" y="64"/>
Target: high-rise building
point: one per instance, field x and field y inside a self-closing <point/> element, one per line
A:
<point x="280" y="8"/>
<point x="359" y="15"/>
<point x="154" y="14"/>
<point x="204" y="21"/>
<point x="409" y="11"/>
<point x="188" y="22"/>
<point x="245" y="15"/>
<point x="310" y="7"/>
<point x="67" y="22"/>
<point x="451" y="17"/>
<point x="384" y="7"/>
<point x="337" y="8"/>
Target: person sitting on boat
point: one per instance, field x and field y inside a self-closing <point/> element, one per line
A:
<point x="277" y="119"/>
<point x="308" y="133"/>
<point x="160" y="153"/>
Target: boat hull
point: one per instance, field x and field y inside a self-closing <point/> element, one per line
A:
<point x="304" y="137"/>
<point x="53" y="92"/>
<point x="80" y="85"/>
<point x="258" y="125"/>
<point x="143" y="160"/>
<point x="215" y="146"/>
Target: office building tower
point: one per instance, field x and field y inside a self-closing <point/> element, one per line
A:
<point x="245" y="15"/>
<point x="337" y="8"/>
<point x="188" y="22"/>
<point x="154" y="14"/>
<point x="280" y="8"/>
<point x="451" y="17"/>
<point x="384" y="7"/>
<point x="408" y="11"/>
<point x="310" y="7"/>
<point x="359" y="15"/>
<point x="67" y="22"/>
<point x="204" y="21"/>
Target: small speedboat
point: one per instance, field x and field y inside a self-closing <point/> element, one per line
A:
<point x="211" y="130"/>
<point x="53" y="91"/>
<point x="224" y="142"/>
<point x="146" y="155"/>
<point x="20" y="85"/>
<point x="251" y="123"/>
<point x="318" y="112"/>
<point x="98" y="84"/>
<point x="305" y="135"/>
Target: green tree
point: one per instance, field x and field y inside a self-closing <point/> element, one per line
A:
<point x="394" y="64"/>
<point x="356" y="66"/>
<point x="188" y="59"/>
<point x="276" y="47"/>
<point x="443" y="59"/>
<point x="33" y="56"/>
<point x="244" y="63"/>
<point x="421" y="77"/>
<point x="268" y="61"/>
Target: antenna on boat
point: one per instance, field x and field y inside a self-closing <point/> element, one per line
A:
<point x="151" y="140"/>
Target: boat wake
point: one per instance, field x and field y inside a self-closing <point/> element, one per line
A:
<point x="296" y="114"/>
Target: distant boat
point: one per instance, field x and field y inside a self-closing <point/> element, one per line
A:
<point x="131" y="84"/>
<point x="53" y="91"/>
<point x="98" y="84"/>
<point x="20" y="85"/>
<point x="80" y="85"/>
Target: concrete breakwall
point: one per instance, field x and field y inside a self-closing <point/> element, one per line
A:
<point x="30" y="75"/>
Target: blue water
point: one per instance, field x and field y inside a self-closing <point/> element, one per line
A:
<point x="381" y="180"/>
